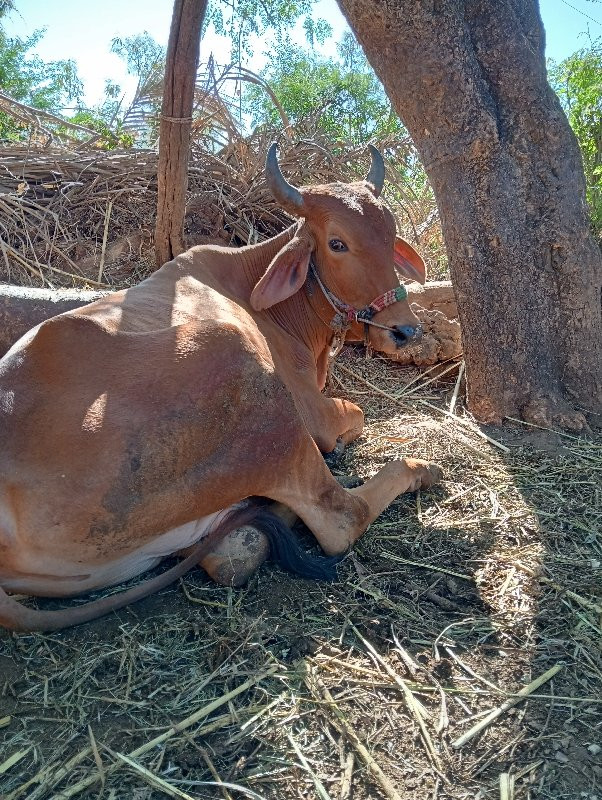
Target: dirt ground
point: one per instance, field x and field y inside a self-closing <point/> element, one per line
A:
<point x="454" y="601"/>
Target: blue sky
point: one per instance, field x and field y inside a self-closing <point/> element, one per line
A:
<point x="83" y="29"/>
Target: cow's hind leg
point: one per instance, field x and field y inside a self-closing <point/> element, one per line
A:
<point x="336" y="516"/>
<point x="237" y="556"/>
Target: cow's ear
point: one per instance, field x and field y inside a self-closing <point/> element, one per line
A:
<point x="285" y="275"/>
<point x="408" y="262"/>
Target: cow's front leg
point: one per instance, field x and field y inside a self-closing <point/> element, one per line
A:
<point x="378" y="493"/>
<point x="334" y="423"/>
<point x="338" y="517"/>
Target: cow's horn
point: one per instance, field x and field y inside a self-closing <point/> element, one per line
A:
<point x="376" y="176"/>
<point x="289" y="198"/>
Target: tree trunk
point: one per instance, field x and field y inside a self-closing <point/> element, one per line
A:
<point x="176" y="119"/>
<point x="468" y="79"/>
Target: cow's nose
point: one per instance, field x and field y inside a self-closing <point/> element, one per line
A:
<point x="404" y="334"/>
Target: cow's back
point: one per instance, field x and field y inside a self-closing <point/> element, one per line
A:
<point x="110" y="436"/>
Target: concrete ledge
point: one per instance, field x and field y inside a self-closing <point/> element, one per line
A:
<point x="434" y="296"/>
<point x="22" y="308"/>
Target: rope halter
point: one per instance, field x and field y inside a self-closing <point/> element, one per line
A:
<point x="346" y="314"/>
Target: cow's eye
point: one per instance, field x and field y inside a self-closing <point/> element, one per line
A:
<point x="337" y="245"/>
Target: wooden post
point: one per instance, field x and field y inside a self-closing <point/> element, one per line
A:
<point x="176" y="119"/>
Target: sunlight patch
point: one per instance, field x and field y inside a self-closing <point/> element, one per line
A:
<point x="95" y="414"/>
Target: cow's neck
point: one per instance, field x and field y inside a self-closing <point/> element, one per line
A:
<point x="306" y="315"/>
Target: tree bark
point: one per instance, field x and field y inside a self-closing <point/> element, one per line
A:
<point x="468" y="79"/>
<point x="176" y="119"/>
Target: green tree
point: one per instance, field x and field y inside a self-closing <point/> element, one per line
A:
<point x="123" y="124"/>
<point x="50" y="86"/>
<point x="110" y="136"/>
<point x="239" y="19"/>
<point x="47" y="85"/>
<point x="145" y="60"/>
<point x="135" y="123"/>
<point x="578" y="83"/>
<point x="342" y="96"/>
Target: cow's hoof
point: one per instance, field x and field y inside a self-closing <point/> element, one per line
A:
<point x="237" y="556"/>
<point x="424" y="474"/>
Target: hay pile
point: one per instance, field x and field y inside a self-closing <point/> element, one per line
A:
<point x="78" y="216"/>
<point x="457" y="657"/>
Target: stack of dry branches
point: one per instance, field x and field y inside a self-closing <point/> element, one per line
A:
<point x="74" y="215"/>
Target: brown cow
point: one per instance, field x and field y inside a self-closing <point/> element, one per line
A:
<point x="134" y="428"/>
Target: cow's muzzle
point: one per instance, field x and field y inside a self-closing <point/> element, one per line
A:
<point x="404" y="335"/>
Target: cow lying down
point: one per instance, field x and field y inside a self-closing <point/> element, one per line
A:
<point x="143" y="425"/>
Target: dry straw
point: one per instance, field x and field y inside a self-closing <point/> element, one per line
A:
<point x="72" y="214"/>
<point x="435" y="635"/>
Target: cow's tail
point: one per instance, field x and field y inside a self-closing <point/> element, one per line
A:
<point x="284" y="547"/>
<point x="286" y="551"/>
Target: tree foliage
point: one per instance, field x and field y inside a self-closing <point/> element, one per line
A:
<point x="240" y="19"/>
<point x="136" y="121"/>
<point x="342" y="96"/>
<point x="52" y="85"/>
<point x="47" y="85"/>
<point x="578" y="82"/>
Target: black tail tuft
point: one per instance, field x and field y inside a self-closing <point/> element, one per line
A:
<point x="286" y="551"/>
